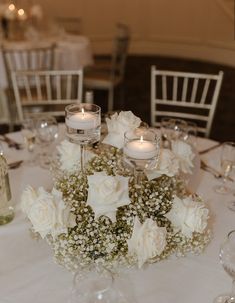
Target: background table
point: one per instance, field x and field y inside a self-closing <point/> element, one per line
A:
<point x="28" y="273"/>
<point x="72" y="52"/>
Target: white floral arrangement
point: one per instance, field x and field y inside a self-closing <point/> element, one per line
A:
<point x="105" y="217"/>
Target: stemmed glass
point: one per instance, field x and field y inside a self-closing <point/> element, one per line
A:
<point x="95" y="285"/>
<point x="47" y="133"/>
<point x="141" y="150"/>
<point x="227" y="259"/>
<point x="83" y="121"/>
<point x="28" y="132"/>
<point x="172" y="129"/>
<point x="190" y="134"/>
<point x="227" y="160"/>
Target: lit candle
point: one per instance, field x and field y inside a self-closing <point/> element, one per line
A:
<point x="21" y="14"/>
<point x="11" y="7"/>
<point x="10" y="12"/>
<point x="140" y="149"/>
<point x="82" y="120"/>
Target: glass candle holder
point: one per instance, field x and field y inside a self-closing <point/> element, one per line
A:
<point x="141" y="150"/>
<point x="83" y="123"/>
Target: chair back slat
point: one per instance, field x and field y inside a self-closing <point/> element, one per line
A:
<point x="190" y="96"/>
<point x="175" y="88"/>
<point x="194" y="91"/>
<point x="58" y="87"/>
<point x="205" y="91"/>
<point x="48" y="87"/>
<point x="27" y="89"/>
<point x="38" y="87"/>
<point x="164" y="88"/>
<point x="185" y="88"/>
<point x="69" y="87"/>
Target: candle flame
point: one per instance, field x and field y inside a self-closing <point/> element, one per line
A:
<point x="83" y="112"/>
<point x="21" y="12"/>
<point x="11" y="7"/>
<point x="141" y="139"/>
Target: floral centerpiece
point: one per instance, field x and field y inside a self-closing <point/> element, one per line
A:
<point x="105" y="217"/>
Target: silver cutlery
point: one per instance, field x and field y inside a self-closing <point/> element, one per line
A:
<point x="15" y="164"/>
<point x="213" y="171"/>
<point x="210" y="149"/>
<point x="10" y="142"/>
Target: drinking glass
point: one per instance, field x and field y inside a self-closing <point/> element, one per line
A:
<point x="141" y="150"/>
<point x="172" y="129"/>
<point x="227" y="259"/>
<point x="190" y="134"/>
<point x="47" y="133"/>
<point x="28" y="132"/>
<point x="83" y="122"/>
<point x="95" y="286"/>
<point x="227" y="160"/>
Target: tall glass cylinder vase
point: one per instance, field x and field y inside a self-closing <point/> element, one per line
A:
<point x="83" y="123"/>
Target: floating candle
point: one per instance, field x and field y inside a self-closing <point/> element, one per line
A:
<point x="82" y="120"/>
<point x="140" y="149"/>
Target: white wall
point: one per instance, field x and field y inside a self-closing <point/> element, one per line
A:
<point x="201" y="29"/>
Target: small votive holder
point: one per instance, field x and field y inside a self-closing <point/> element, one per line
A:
<point x="141" y="150"/>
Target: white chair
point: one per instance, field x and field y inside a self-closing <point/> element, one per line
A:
<point x="185" y="95"/>
<point x="23" y="56"/>
<point x="107" y="76"/>
<point x="48" y="91"/>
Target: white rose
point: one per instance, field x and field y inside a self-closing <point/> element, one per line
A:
<point x="185" y="155"/>
<point x="49" y="214"/>
<point x="168" y="165"/>
<point x="147" y="240"/>
<point x="188" y="216"/>
<point x="117" y="125"/>
<point x="69" y="154"/>
<point x="28" y="197"/>
<point x="107" y="193"/>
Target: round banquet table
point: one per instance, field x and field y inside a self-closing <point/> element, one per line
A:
<point x="28" y="273"/>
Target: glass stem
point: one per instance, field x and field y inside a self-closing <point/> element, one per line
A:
<point x="82" y="154"/>
<point x="137" y="175"/>
<point x="232" y="296"/>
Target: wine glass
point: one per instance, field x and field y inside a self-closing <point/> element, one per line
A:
<point x="83" y="122"/>
<point x="172" y="129"/>
<point x="227" y="259"/>
<point x="47" y="133"/>
<point x="28" y="132"/>
<point x="95" y="286"/>
<point x="227" y="160"/>
<point x="190" y="135"/>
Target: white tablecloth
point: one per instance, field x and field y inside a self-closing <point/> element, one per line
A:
<point x="72" y="52"/>
<point x="28" y="273"/>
